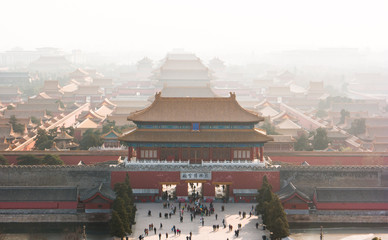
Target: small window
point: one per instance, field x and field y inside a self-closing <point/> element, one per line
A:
<point x="195" y="127"/>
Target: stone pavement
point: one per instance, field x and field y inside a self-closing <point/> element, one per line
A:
<point x="248" y="229"/>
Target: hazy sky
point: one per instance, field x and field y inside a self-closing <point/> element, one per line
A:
<point x="210" y="26"/>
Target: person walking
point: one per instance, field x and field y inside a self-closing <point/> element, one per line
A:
<point x="216" y="216"/>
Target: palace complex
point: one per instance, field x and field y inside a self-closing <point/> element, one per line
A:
<point x="208" y="144"/>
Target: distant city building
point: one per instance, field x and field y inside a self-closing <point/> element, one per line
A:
<point x="183" y="70"/>
<point x="15" y="79"/>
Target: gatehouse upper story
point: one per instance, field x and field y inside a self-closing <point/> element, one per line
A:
<point x="195" y="130"/>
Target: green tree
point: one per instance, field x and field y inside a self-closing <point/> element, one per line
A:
<point x="321" y="113"/>
<point x="280" y="229"/>
<point x="70" y="131"/>
<point x="10" y="107"/>
<point x="90" y="139"/>
<point x="344" y="114"/>
<point x="50" y="159"/>
<point x="61" y="105"/>
<point x="28" y="159"/>
<point x="124" y="192"/>
<point x="119" y="207"/>
<point x="302" y="143"/>
<point x="17" y="127"/>
<point x="116" y="226"/>
<point x="320" y="141"/>
<point x="43" y="140"/>
<point x="131" y="207"/>
<point x="269" y="128"/>
<point x="35" y="120"/>
<point x="3" y="160"/>
<point x="264" y="195"/>
<point x="357" y="126"/>
<point x="271" y="209"/>
<point x="108" y="125"/>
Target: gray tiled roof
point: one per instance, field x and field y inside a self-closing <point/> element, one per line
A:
<point x="31" y="193"/>
<point x="289" y="190"/>
<point x="377" y="194"/>
<point x="104" y="189"/>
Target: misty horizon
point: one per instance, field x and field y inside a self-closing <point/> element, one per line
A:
<point x="205" y="28"/>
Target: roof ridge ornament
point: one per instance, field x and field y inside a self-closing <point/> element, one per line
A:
<point x="232" y="95"/>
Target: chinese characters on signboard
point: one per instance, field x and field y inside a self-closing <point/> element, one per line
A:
<point x="196" y="176"/>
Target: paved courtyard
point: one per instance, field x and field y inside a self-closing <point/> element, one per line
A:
<point x="231" y="215"/>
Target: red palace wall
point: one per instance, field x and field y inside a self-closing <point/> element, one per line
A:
<point x="97" y="205"/>
<point x="38" y="205"/>
<point x="332" y="160"/>
<point x="236" y="180"/>
<point x="294" y="202"/>
<point x="295" y="206"/>
<point x="351" y="206"/>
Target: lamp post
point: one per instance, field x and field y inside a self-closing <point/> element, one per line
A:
<point x="84" y="233"/>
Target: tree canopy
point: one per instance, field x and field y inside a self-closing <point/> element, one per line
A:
<point x="320" y="141"/>
<point x="28" y="159"/>
<point x="43" y="140"/>
<point x="50" y="159"/>
<point x="3" y="160"/>
<point x="108" y="125"/>
<point x="17" y="127"/>
<point x="124" y="206"/>
<point x="90" y="139"/>
<point x="302" y="144"/>
<point x="269" y="128"/>
<point x="344" y="114"/>
<point x="271" y="209"/>
<point x="116" y="226"/>
<point x="357" y="126"/>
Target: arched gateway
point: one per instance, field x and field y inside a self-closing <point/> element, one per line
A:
<point x="206" y="142"/>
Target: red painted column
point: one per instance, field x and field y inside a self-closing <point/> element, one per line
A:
<point x="252" y="153"/>
<point x="231" y="154"/>
<point x="129" y="153"/>
<point x="261" y="154"/>
<point x="158" y="153"/>
<point x="211" y="153"/>
<point x="137" y="152"/>
<point x="180" y="153"/>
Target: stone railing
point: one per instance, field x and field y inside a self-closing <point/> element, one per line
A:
<point x="152" y="162"/>
<point x="255" y="162"/>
